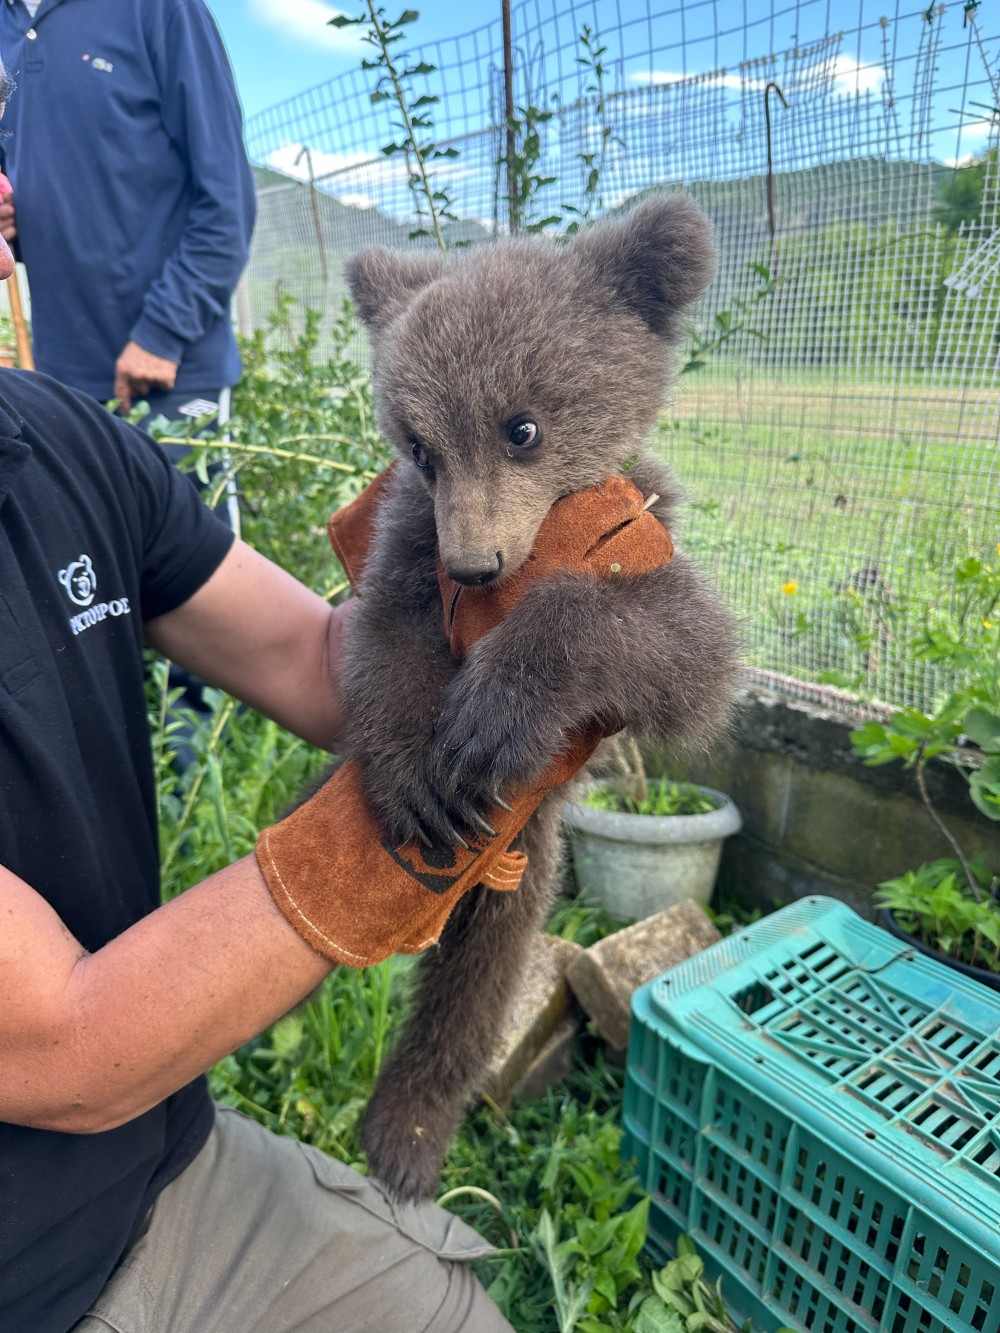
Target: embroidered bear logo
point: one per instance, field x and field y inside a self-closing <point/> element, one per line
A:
<point x="79" y="580"/>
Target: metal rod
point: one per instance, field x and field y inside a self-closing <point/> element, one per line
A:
<point x="508" y="94"/>
<point x="314" y="198"/>
<point x="770" y="163"/>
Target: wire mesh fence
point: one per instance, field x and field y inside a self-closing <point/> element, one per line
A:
<point x="839" y="443"/>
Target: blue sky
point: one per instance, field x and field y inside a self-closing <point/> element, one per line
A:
<point x="281" y="47"/>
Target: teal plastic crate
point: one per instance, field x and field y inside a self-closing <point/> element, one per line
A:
<point x="818" y="1106"/>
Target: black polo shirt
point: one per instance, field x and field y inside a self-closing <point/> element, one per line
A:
<point x="97" y="533"/>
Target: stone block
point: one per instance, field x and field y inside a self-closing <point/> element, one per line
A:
<point x="554" y="1061"/>
<point x="541" y="1005"/>
<point x="604" y="976"/>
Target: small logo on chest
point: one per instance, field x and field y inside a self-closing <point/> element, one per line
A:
<point x="80" y="584"/>
<point x="79" y="580"/>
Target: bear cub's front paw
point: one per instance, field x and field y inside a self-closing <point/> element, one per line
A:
<point x="492" y="744"/>
<point x="411" y="801"/>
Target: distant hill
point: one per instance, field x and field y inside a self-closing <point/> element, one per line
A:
<point x="286" y="255"/>
<point x="866" y="190"/>
<point x="292" y="220"/>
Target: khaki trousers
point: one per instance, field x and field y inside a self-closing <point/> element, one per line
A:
<point x="263" y="1234"/>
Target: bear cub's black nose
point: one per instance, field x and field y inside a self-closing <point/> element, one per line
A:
<point x="475" y="570"/>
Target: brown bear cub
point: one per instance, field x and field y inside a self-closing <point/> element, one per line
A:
<point x="506" y="377"/>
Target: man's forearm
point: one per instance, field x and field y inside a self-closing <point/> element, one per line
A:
<point x="161" y="1003"/>
<point x="256" y="632"/>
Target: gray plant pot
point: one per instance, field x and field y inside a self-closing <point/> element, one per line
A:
<point x="636" y="865"/>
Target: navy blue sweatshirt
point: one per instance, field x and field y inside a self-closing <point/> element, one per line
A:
<point x="133" y="195"/>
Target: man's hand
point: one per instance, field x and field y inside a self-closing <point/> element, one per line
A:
<point x="8" y="224"/>
<point x="137" y="371"/>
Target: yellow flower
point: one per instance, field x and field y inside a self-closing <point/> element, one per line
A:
<point x="987" y="624"/>
<point x="790" y="588"/>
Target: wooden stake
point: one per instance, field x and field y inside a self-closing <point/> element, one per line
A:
<point x="24" y="354"/>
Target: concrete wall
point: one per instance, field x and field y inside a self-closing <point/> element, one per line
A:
<point x="816" y="820"/>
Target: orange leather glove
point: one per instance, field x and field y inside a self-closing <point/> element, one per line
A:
<point x="330" y="868"/>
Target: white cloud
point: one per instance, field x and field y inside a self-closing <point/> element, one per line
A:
<point x="356" y="200"/>
<point x="849" y="76"/>
<point x="288" y="161"/>
<point x="978" y="129"/>
<point x="846" y="76"/>
<point x="369" y="180"/>
<point x="715" y="79"/>
<point x="307" y="21"/>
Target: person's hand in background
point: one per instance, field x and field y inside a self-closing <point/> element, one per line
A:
<point x="137" y="371"/>
<point x="8" y="224"/>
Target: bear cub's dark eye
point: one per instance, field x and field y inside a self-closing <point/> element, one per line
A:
<point x="524" y="433"/>
<point x="419" y="454"/>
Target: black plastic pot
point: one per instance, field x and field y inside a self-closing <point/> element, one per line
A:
<point x="991" y="979"/>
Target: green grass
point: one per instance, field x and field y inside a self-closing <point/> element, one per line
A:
<point x="661" y="798"/>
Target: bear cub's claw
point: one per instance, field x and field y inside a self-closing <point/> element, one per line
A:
<point x="416" y="803"/>
<point x="491" y="746"/>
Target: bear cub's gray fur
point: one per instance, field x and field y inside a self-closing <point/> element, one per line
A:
<point x="508" y="376"/>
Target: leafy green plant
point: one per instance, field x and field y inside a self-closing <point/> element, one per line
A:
<point x="573" y="919"/>
<point x="594" y="161"/>
<point x="301" y="440"/>
<point x="682" y="1301"/>
<point x="527" y="128"/>
<point x="733" y="915"/>
<point x="591" y="1267"/>
<point x="431" y="201"/>
<point x="736" y="319"/>
<point x="244" y="773"/>
<point x="934" y="904"/>
<point x="526" y="180"/>
<point x="565" y="1203"/>
<point x="625" y="788"/>
<point x="953" y="902"/>
<point x="662" y="797"/>
<point x="309" y="1076"/>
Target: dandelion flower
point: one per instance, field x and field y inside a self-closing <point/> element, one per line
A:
<point x="790" y="588"/>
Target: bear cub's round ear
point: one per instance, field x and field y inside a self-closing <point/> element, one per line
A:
<point x="657" y="259"/>
<point x="382" y="281"/>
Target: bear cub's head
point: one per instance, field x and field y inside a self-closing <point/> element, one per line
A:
<point x="515" y="373"/>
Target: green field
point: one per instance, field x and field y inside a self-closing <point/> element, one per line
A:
<point x="833" y="510"/>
